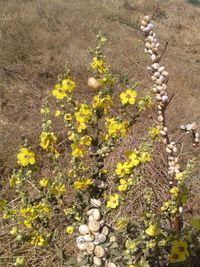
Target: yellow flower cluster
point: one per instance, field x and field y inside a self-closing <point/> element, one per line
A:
<point x="102" y="103"/>
<point x="82" y="116"/>
<point x="78" y="145"/>
<point x="98" y="64"/>
<point x="83" y="184"/>
<point x="115" y="128"/>
<point x="113" y="201"/>
<point x="62" y="90"/>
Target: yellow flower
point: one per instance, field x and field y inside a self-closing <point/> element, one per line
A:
<point x="115" y="128"/>
<point x="165" y="206"/>
<point x="57" y="113"/>
<point x="70" y="230"/>
<point x="145" y="156"/>
<point x="59" y="92"/>
<point x="43" y="182"/>
<point x="121" y="224"/>
<point x="133" y="157"/>
<point x="85" y="140"/>
<point x="153" y="133"/>
<point x="68" y="117"/>
<point x="179" y="251"/>
<point x="195" y="222"/>
<point x="103" y="103"/>
<point x="97" y="64"/>
<point x="152" y="230"/>
<point x="113" y="201"/>
<point x="68" y="85"/>
<point x="83" y="184"/>
<point x="44" y="110"/>
<point x="47" y="140"/>
<point x="130" y="245"/>
<point x="76" y="151"/>
<point x="180" y="176"/>
<point x="174" y="191"/>
<point x="128" y="97"/>
<point x="37" y="239"/>
<point x="25" y="157"/>
<point x="123" y="185"/>
<point x="123" y="168"/>
<point x="19" y="261"/>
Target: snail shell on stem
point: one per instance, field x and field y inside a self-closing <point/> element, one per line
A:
<point x="95" y="202"/>
<point x="94" y="226"/>
<point x="83" y="229"/>
<point x="97" y="261"/>
<point x="99" y="252"/>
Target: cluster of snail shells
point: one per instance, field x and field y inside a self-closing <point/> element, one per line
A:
<point x="159" y="74"/>
<point x="173" y="160"/>
<point x="93" y="235"/>
<point x="191" y="127"/>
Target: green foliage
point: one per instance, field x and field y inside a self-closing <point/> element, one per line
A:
<point x="194" y="2"/>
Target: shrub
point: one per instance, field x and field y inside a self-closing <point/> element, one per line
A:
<point x="84" y="185"/>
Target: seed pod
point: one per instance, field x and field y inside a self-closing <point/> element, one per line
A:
<point x="89" y="238"/>
<point x="96" y="214"/>
<point x="97" y="261"/>
<point x="95" y="202"/>
<point x="94" y="226"/>
<point x="99" y="252"/>
<point x="93" y="83"/>
<point x="90" y="247"/>
<point x="83" y="229"/>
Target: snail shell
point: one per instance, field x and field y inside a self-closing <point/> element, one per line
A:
<point x="81" y="246"/>
<point x="163" y="132"/>
<point x="80" y="257"/>
<point x="174" y="149"/>
<point x="101" y="238"/>
<point x="89" y="238"/>
<point x="153" y="57"/>
<point x="144" y="23"/>
<point x="80" y="240"/>
<point x="149" y="51"/>
<point x="168" y="150"/>
<point x="95" y="202"/>
<point x="91" y="218"/>
<point x="148" y="45"/>
<point x="165" y="98"/>
<point x="111" y="264"/>
<point x="146" y="18"/>
<point x="156" y="66"/>
<point x="96" y="214"/>
<point x="158" y="81"/>
<point x="149" y="39"/>
<point x="182" y="127"/>
<point x="94" y="226"/>
<point x="97" y="261"/>
<point x="89" y="212"/>
<point x="93" y="83"/>
<point x="156" y="74"/>
<point x="83" y="229"/>
<point x="160" y="118"/>
<point x="165" y="73"/>
<point x="161" y="68"/>
<point x="99" y="251"/>
<point x="147" y="29"/>
<point x="105" y="231"/>
<point x="90" y="247"/>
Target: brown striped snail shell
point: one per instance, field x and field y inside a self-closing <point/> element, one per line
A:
<point x="94" y="226"/>
<point x="99" y="252"/>
<point x="90" y="247"/>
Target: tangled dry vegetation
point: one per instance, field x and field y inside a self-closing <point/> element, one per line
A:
<point x="38" y="38"/>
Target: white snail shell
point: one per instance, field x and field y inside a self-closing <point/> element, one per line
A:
<point x="91" y="218"/>
<point x="168" y="150"/>
<point x="94" y="226"/>
<point x="105" y="231"/>
<point x="111" y="264"/>
<point x="99" y="252"/>
<point x="160" y="118"/>
<point x="89" y="238"/>
<point x="149" y="39"/>
<point x="101" y="238"/>
<point x="96" y="214"/>
<point x="83" y="229"/>
<point x="93" y="83"/>
<point x="146" y="18"/>
<point x="95" y="202"/>
<point x="97" y="261"/>
<point x="81" y="246"/>
<point x="156" y="66"/>
<point x="153" y="57"/>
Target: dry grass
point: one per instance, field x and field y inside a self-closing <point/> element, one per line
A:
<point x="37" y="38"/>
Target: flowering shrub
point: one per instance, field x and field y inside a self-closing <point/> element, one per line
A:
<point x="94" y="132"/>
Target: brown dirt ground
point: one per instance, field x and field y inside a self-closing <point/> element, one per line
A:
<point x="38" y="37"/>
